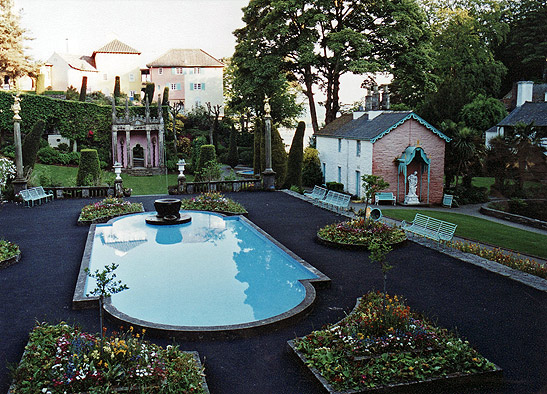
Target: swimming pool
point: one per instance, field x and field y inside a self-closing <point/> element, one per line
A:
<point x="213" y="273"/>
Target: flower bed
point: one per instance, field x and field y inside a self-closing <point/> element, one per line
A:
<point x="499" y="256"/>
<point x="215" y="202"/>
<point x="106" y="209"/>
<point x="62" y="359"/>
<point x="360" y="232"/>
<point x="9" y="253"/>
<point x="366" y="351"/>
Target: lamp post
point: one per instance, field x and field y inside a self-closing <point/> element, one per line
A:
<point x="181" y="178"/>
<point x="19" y="183"/>
<point x="118" y="182"/>
<point x="268" y="176"/>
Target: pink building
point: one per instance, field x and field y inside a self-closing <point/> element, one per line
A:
<point x="392" y="144"/>
<point x="193" y="77"/>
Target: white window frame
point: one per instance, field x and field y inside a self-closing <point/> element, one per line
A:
<point x="179" y="70"/>
<point x="172" y="86"/>
<point x="197" y="86"/>
<point x="196" y="70"/>
<point x="160" y="71"/>
<point x="131" y="77"/>
<point x="105" y="77"/>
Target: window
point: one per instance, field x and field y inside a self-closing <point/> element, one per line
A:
<point x="196" y="70"/>
<point x="105" y="77"/>
<point x="198" y="103"/>
<point x="160" y="71"/>
<point x="197" y="86"/>
<point x="358" y="149"/>
<point x="132" y="93"/>
<point x="324" y="171"/>
<point x="179" y="71"/>
<point x="131" y="77"/>
<point x="339" y="174"/>
<point x="173" y="86"/>
<point x="339" y="144"/>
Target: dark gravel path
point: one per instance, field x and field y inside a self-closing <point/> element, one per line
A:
<point x="505" y="320"/>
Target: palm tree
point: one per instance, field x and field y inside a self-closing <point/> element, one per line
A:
<point x="526" y="145"/>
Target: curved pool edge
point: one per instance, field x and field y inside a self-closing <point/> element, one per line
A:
<point x="242" y="330"/>
<point x="81" y="301"/>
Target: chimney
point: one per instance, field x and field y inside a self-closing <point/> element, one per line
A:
<point x="368" y="101"/>
<point x="385" y="97"/>
<point x="375" y="98"/>
<point x="524" y="92"/>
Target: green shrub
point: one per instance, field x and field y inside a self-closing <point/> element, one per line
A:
<point x="311" y="168"/>
<point x="207" y="153"/>
<point x="296" y="156"/>
<point x="31" y="145"/>
<point x="63" y="147"/>
<point x="89" y="169"/>
<point x="48" y="155"/>
<point x="233" y="158"/>
<point x="337" y="187"/>
<point x="246" y="156"/>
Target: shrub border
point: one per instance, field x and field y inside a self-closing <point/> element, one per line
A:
<point x="10" y="261"/>
<point x="348" y="246"/>
<point x="452" y="380"/>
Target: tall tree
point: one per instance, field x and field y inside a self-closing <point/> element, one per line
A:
<point x="296" y="156"/>
<point x="319" y="41"/>
<point x="13" y="61"/>
<point x="464" y="35"/>
<point x="525" y="53"/>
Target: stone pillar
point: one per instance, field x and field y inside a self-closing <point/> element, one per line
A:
<point x="128" y="149"/>
<point x="148" y="149"/>
<point x="19" y="183"/>
<point x="115" y="145"/>
<point x="268" y="176"/>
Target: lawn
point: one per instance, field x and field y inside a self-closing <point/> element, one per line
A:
<point x="141" y="185"/>
<point x="482" y="230"/>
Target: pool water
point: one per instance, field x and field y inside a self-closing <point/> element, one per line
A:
<point x="213" y="271"/>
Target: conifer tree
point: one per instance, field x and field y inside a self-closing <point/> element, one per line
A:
<point x="296" y="156"/>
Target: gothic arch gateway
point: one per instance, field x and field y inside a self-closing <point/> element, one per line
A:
<point x="146" y="134"/>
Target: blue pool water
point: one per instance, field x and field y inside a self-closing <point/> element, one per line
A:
<point x="213" y="271"/>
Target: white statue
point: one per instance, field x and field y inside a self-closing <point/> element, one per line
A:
<point x="411" y="198"/>
<point x="412" y="184"/>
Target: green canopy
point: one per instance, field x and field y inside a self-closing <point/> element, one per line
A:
<point x="406" y="158"/>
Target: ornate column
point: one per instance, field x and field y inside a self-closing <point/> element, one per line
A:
<point x="268" y="176"/>
<point x="19" y="183"/>
<point x="128" y="149"/>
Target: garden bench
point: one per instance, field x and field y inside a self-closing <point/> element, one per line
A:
<point x="42" y="193"/>
<point x="447" y="200"/>
<point x="429" y="227"/>
<point x="384" y="196"/>
<point x="318" y="193"/>
<point x="29" y="198"/>
<point x="336" y="200"/>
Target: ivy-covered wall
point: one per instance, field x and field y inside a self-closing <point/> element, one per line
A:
<point x="73" y="119"/>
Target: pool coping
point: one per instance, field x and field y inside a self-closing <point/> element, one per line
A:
<point x="81" y="301"/>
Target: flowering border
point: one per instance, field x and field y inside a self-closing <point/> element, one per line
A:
<point x="10" y="261"/>
<point x="494" y="376"/>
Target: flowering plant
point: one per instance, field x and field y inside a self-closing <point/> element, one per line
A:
<point x="500" y="256"/>
<point x="108" y="208"/>
<point x="361" y="231"/>
<point x="61" y="358"/>
<point x="7" y="171"/>
<point x="7" y="250"/>
<point x="370" y="348"/>
<point x="213" y="201"/>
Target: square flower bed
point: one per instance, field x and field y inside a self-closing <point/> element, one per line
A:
<point x="215" y="202"/>
<point x="63" y="359"/>
<point x="104" y="210"/>
<point x="374" y="349"/>
<point x="9" y="253"/>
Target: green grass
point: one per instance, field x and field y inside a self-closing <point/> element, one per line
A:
<point x="141" y="185"/>
<point x="482" y="230"/>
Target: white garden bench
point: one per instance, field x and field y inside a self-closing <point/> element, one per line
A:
<point x="384" y="196"/>
<point x="429" y="227"/>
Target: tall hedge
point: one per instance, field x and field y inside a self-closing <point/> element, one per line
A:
<point x="296" y="155"/>
<point x="279" y="158"/>
<point x="89" y="170"/>
<point x="31" y="145"/>
<point x="311" y="168"/>
<point x="165" y="98"/>
<point x="117" y="90"/>
<point x="233" y="158"/>
<point x="207" y="153"/>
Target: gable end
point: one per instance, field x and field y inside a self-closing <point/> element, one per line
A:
<point x="419" y="120"/>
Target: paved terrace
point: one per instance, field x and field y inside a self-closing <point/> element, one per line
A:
<point x="504" y="319"/>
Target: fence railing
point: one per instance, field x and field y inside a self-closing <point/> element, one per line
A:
<point x="81" y="191"/>
<point x="217" y="186"/>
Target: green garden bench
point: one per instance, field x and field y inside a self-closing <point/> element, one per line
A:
<point x="431" y="228"/>
<point x="30" y="197"/>
<point x="335" y="200"/>
<point x="42" y="194"/>
<point x="384" y="196"/>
